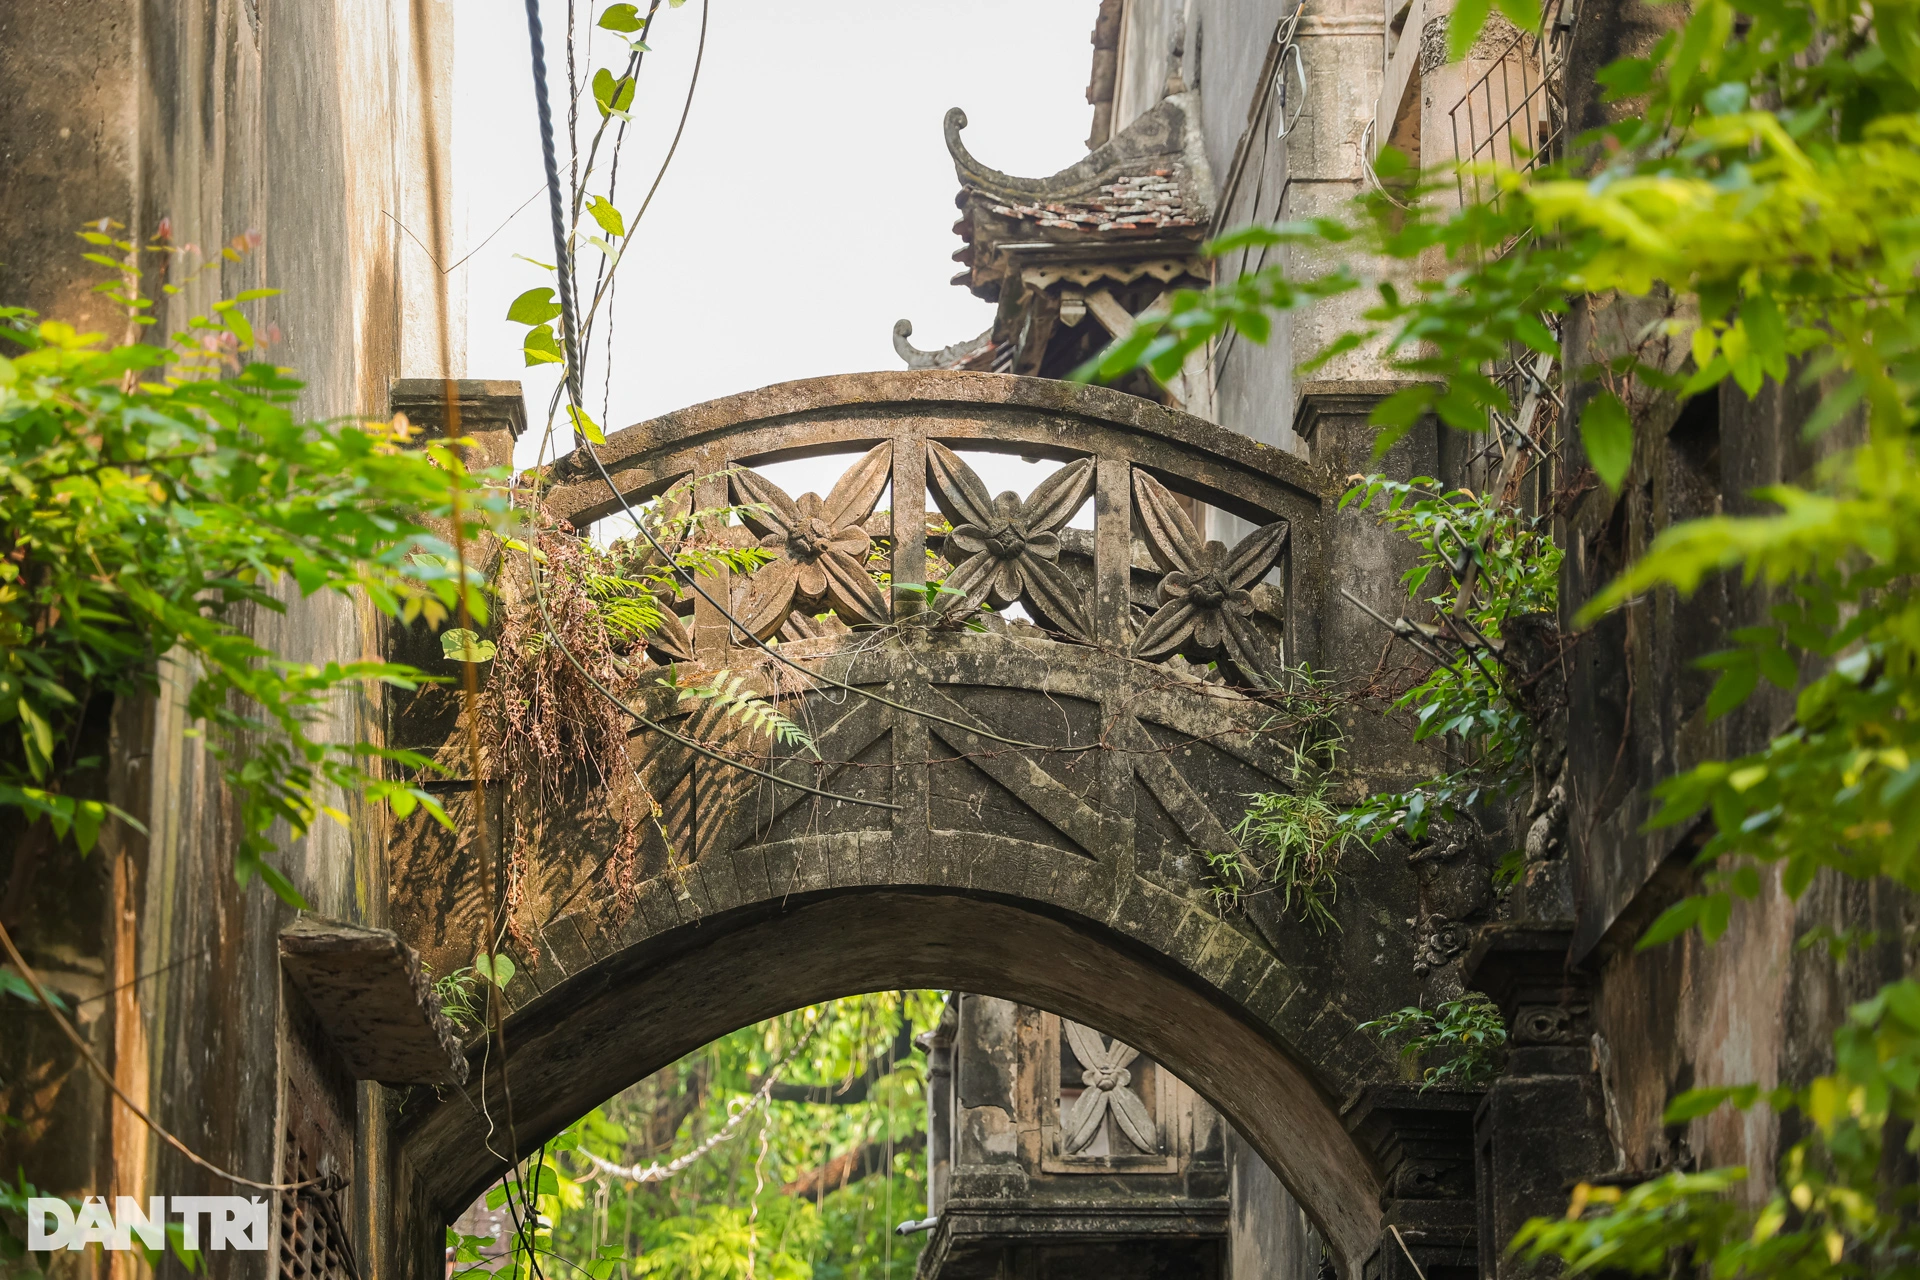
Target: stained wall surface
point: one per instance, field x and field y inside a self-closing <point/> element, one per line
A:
<point x="1754" y="1007"/>
<point x="308" y="134"/>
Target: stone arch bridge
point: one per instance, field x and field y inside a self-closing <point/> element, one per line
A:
<point x="1067" y="874"/>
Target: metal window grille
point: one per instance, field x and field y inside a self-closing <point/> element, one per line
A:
<point x="1515" y="113"/>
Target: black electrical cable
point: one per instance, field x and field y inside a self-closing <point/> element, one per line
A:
<point x="572" y="382"/>
<point x="563" y="255"/>
<point x="565" y="268"/>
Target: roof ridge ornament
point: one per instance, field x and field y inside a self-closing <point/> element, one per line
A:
<point x="1156" y="139"/>
<point x="954" y="356"/>
<point x="1131" y="215"/>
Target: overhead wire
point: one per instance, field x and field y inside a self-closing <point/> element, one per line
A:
<point x="570" y="344"/>
<point x="571" y="387"/>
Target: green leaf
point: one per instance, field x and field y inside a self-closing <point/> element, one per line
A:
<point x="1778" y="666"/>
<point x="585" y="425"/>
<point x="1716" y="912"/>
<point x="1726" y="99"/>
<point x="621" y="17"/>
<point x="1695" y="1103"/>
<point x="282" y="887"/>
<point x="1524" y="14"/>
<point x="535" y="306"/>
<point x="1766" y="334"/>
<point x="497" y="969"/>
<point x="13" y="984"/>
<point x="1469" y="16"/>
<point x="35" y="732"/>
<point x="611" y="95"/>
<point x="606" y="215"/>
<point x="1734" y="686"/>
<point x="462" y="645"/>
<point x="1606" y="433"/>
<point x="541" y="347"/>
<point x="1672" y="922"/>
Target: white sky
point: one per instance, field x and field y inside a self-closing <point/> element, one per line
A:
<point x="810" y="204"/>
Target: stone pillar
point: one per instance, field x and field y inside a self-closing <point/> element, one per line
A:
<point x="1543" y="1125"/>
<point x="1423" y="1140"/>
<point x="1366" y="560"/>
<point x="493" y="413"/>
<point x="938" y="1045"/>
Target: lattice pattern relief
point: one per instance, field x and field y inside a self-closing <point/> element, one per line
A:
<point x="315" y="1243"/>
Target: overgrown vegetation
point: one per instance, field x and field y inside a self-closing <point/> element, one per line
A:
<point x="1762" y="180"/>
<point x="160" y="500"/>
<point x="585" y="632"/>
<point x="1293" y="842"/>
<point x="1482" y="562"/>
<point x="1467" y="1035"/>
<point x="805" y="1189"/>
<point x="461" y="999"/>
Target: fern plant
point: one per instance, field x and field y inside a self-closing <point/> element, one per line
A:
<point x="458" y="997"/>
<point x="728" y="693"/>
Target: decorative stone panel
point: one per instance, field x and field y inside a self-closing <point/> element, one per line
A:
<point x="1105" y="1107"/>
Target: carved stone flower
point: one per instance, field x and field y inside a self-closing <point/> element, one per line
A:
<point x="819" y="548"/>
<point x="1003" y="549"/>
<point x="1206" y="605"/>
<point x="1105" y="1075"/>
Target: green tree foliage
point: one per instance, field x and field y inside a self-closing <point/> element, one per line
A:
<point x="1467" y="1035"/>
<point x="157" y="501"/>
<point x="811" y="1190"/>
<point x="1481" y="562"/>
<point x="1765" y="179"/>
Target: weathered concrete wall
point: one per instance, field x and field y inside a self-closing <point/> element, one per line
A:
<point x="1225" y="50"/>
<point x="313" y="126"/>
<point x="1268" y="1236"/>
<point x="1752" y="1007"/>
<point x="1020" y="1201"/>
<point x="67" y="149"/>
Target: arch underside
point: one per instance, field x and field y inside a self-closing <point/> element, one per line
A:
<point x="1071" y="877"/>
<point x="655" y="1001"/>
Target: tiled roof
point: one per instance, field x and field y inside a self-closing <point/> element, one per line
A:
<point x="1146" y="201"/>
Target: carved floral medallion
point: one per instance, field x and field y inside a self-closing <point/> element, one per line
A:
<point x="1206" y="601"/>
<point x="1004" y="549"/>
<point x="818" y="545"/>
